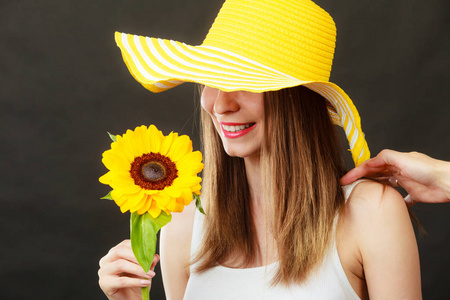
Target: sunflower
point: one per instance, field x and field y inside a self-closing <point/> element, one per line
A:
<point x="150" y="172"/>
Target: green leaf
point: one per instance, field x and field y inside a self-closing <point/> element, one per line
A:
<point x="143" y="230"/>
<point x="113" y="137"/>
<point x="107" y="197"/>
<point x="198" y="203"/>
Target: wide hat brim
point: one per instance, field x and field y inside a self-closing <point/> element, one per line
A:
<point x="160" y="64"/>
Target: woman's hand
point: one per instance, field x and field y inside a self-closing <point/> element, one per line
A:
<point x="120" y="275"/>
<point x="424" y="178"/>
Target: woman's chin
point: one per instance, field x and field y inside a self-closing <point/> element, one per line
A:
<point x="247" y="153"/>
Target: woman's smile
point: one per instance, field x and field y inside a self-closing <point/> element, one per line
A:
<point x="235" y="130"/>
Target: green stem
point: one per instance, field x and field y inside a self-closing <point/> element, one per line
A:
<point x="146" y="293"/>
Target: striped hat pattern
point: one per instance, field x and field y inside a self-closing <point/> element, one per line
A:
<point x="255" y="46"/>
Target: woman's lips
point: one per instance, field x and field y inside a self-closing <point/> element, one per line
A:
<point x="235" y="130"/>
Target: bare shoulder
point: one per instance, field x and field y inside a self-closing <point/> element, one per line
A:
<point x="369" y="206"/>
<point x="370" y="199"/>
<point x="374" y="213"/>
<point x="175" y="248"/>
<point x="377" y="224"/>
<point x="181" y="224"/>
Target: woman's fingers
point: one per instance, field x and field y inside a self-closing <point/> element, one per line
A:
<point x="155" y="261"/>
<point x="121" y="251"/>
<point x="126" y="242"/>
<point x="410" y="200"/>
<point x="120" y="275"/>
<point x="365" y="170"/>
<point x="125" y="267"/>
<point x="378" y="168"/>
<point x="111" y="284"/>
<point x="353" y="175"/>
<point x="121" y="260"/>
<point x="386" y="157"/>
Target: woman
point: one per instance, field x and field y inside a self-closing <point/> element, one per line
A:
<point x="278" y="224"/>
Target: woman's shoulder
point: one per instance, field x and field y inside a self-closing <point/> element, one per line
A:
<point x="180" y="220"/>
<point x="178" y="232"/>
<point x="373" y="209"/>
<point x="370" y="199"/>
<point x="175" y="249"/>
<point x="376" y="241"/>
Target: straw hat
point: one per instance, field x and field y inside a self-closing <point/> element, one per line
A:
<point x="255" y="46"/>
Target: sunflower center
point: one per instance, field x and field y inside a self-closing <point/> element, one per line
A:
<point x="153" y="171"/>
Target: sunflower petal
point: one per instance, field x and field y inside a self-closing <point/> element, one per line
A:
<point x="180" y="147"/>
<point x="173" y="191"/>
<point x="196" y="189"/>
<point x="118" y="197"/>
<point x="189" y="168"/>
<point x="120" y="179"/>
<point x="145" y="207"/>
<point x="105" y="179"/>
<point x="175" y="206"/>
<point x="129" y="139"/>
<point x="125" y="206"/>
<point x="127" y="189"/>
<point x="140" y="135"/>
<point x="120" y="147"/>
<point x="190" y="164"/>
<point x="167" y="143"/>
<point x="162" y="199"/>
<point x="154" y="210"/>
<point x="151" y="192"/>
<point x="186" y="196"/>
<point x="195" y="156"/>
<point x="155" y="138"/>
<point x="137" y="200"/>
<point x="187" y="181"/>
<point x="114" y="162"/>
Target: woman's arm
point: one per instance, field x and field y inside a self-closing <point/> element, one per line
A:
<point x="378" y="220"/>
<point x="175" y="250"/>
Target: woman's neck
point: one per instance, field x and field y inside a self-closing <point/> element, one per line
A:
<point x="253" y="172"/>
<point x="266" y="244"/>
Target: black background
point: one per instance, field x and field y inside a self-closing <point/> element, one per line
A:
<point x="63" y="85"/>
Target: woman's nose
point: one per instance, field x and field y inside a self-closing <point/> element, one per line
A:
<point x="225" y="102"/>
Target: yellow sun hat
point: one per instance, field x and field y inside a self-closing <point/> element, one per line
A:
<point x="255" y="46"/>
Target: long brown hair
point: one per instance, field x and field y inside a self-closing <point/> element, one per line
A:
<point x="301" y="165"/>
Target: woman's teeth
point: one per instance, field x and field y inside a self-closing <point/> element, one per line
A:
<point x="236" y="128"/>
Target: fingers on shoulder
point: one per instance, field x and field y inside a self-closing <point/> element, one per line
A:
<point x="387" y="159"/>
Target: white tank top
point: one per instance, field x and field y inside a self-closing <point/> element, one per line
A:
<point x="221" y="283"/>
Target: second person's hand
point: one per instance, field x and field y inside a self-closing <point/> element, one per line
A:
<point x="424" y="178"/>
